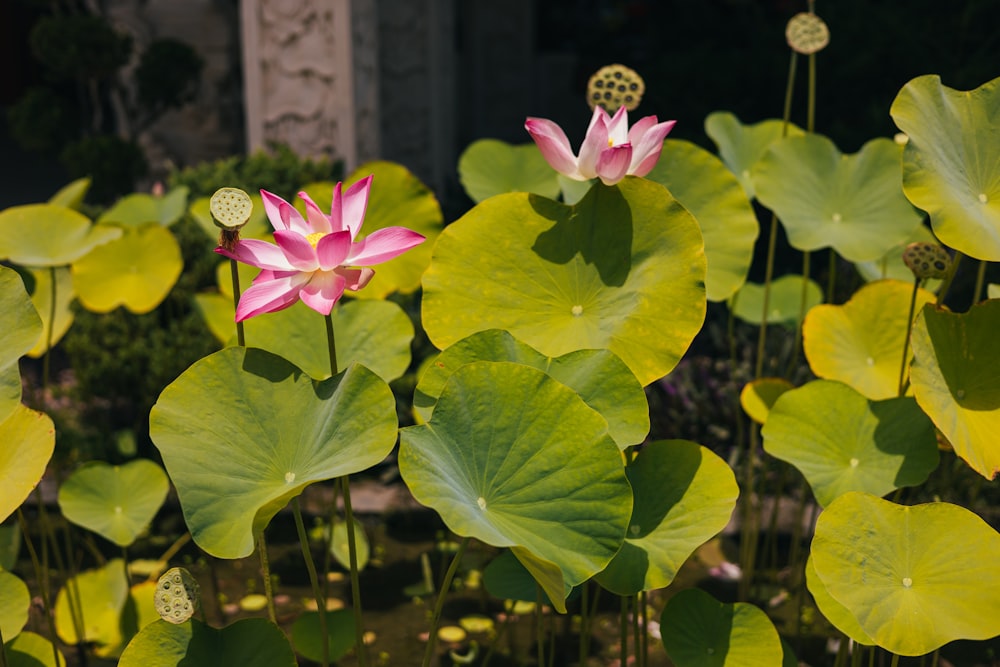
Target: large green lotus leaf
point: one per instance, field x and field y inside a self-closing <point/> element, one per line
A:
<point x="852" y="203"/>
<point x="741" y="146"/>
<point x="112" y="612"/>
<point x="31" y="650"/>
<point x="375" y="334"/>
<point x="257" y="227"/>
<point x="28" y="438"/>
<point x="515" y="458"/>
<point x="116" y="502"/>
<point x="683" y="495"/>
<point x="833" y="611"/>
<point x="951" y="163"/>
<point x="251" y="642"/>
<point x="242" y="431"/>
<point x="891" y="265"/>
<point x="49" y="235"/>
<point x="622" y="270"/>
<point x="784" y="304"/>
<point x="704" y="186"/>
<point x="700" y="631"/>
<point x="41" y="298"/>
<point x="955" y="376"/>
<point x="914" y="577"/>
<point x="861" y="342"/>
<point x="14" y="603"/>
<point x="490" y="167"/>
<point x="19" y="329"/>
<point x="397" y="198"/>
<point x="136" y="271"/>
<point x="841" y="441"/>
<point x="601" y="379"/>
<point x="758" y="396"/>
<point x="138" y="209"/>
<point x="71" y="195"/>
<point x="507" y="578"/>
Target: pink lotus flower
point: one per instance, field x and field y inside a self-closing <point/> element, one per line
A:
<point x="610" y="151"/>
<point x="316" y="258"/>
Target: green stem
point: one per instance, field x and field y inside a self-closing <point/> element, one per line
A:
<point x="857" y="653"/>
<point x="265" y="569"/>
<point x="439" y="604"/>
<point x="644" y="611"/>
<point x="313" y="580"/>
<point x="980" y="279"/>
<point x="906" y="341"/>
<point x="234" y="270"/>
<point x="934" y="658"/>
<point x="803" y="301"/>
<point x="539" y="627"/>
<point x="36" y="564"/>
<point x="48" y="333"/>
<point x="331" y="344"/>
<point x="352" y="556"/>
<point x="895" y="660"/>
<point x="73" y="595"/>
<point x="623" y="630"/>
<point x="946" y="285"/>
<point x="584" y="595"/>
<point x="3" y="652"/>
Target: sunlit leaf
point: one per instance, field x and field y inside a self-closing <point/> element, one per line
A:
<point x="251" y="642"/>
<point x="49" y="235"/>
<point x="951" y="163"/>
<point x="14" y="603"/>
<point x="116" y="502"/>
<point x="741" y="146"/>
<point x="915" y="578"/>
<point x="852" y="203"/>
<point x="758" y="397"/>
<point x="136" y="271"/>
<point x="31" y="650"/>
<point x="683" y="495"/>
<point x="71" y="195"/>
<point x="139" y="208"/>
<point x="704" y="186"/>
<point x="41" y="298"/>
<point x="28" y="438"/>
<point x="839" y="615"/>
<point x="956" y="379"/>
<point x="786" y="302"/>
<point x="700" y="631"/>
<point x="340" y="545"/>
<point x="19" y="329"/>
<point x="601" y="379"/>
<point x="860" y="343"/>
<point x="242" y="432"/>
<point x="515" y="458"/>
<point x="490" y="167"/>
<point x="621" y="270"/>
<point x="841" y="441"/>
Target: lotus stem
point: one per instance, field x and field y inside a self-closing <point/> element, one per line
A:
<point x="906" y="341"/>
<point x="831" y="279"/>
<point x="3" y="652"/>
<point x="43" y="581"/>
<point x="623" y="630"/>
<point x="946" y="285"/>
<point x="800" y="320"/>
<point x="352" y="556"/>
<point x="331" y="344"/>
<point x="539" y="627"/>
<point x="895" y="660"/>
<point x="234" y="269"/>
<point x="439" y="604"/>
<point x="857" y="653"/>
<point x="265" y="569"/>
<point x="584" y="594"/>
<point x="313" y="580"/>
<point x="980" y="279"/>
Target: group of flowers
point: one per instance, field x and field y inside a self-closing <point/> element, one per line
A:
<point x="317" y="257"/>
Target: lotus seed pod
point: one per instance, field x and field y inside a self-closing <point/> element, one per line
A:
<point x="231" y="208"/>
<point x="615" y="86"/>
<point x="927" y="260"/>
<point x="806" y="33"/>
<point x="176" y="597"/>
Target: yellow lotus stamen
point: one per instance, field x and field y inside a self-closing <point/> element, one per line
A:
<point x="314" y="238"/>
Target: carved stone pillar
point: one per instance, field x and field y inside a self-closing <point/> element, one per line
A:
<point x="311" y="77"/>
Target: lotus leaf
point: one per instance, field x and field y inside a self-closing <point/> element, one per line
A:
<point x="758" y="397"/>
<point x="138" y="209"/>
<point x="49" y="235"/>
<point x="14" y="603"/>
<point x="31" y="650"/>
<point x="29" y="439"/>
<point x="251" y="642"/>
<point x="19" y="329"/>
<point x="784" y="304"/>
<point x="71" y="195"/>
<point x="741" y="146"/>
<point x="41" y="298"/>
<point x="490" y="167"/>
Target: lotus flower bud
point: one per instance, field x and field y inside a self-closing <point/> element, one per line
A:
<point x="927" y="260"/>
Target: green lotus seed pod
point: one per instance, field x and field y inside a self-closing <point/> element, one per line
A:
<point x="927" y="260"/>
<point x="231" y="208"/>
<point x="176" y="598"/>
<point x="806" y="33"/>
<point x="615" y="86"/>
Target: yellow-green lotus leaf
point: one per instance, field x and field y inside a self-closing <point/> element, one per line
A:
<point x="861" y="342"/>
<point x="19" y="328"/>
<point x="956" y="379"/>
<point x="397" y="198"/>
<point x="621" y="270"/>
<point x="852" y="203"/>
<point x="704" y="186"/>
<point x="490" y="167"/>
<point x="31" y="650"/>
<point x="758" y="397"/>
<point x="140" y="208"/>
<point x="71" y="195"/>
<point x="41" y="298"/>
<point x="741" y="146"/>
<point x="951" y="163"/>
<point x="49" y="235"/>
<point x="840" y="441"/>
<point x="784" y="304"/>
<point x="915" y="578"/>
<point x="29" y="439"/>
<point x="836" y="613"/>
<point x="136" y="271"/>
<point x="14" y="603"/>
